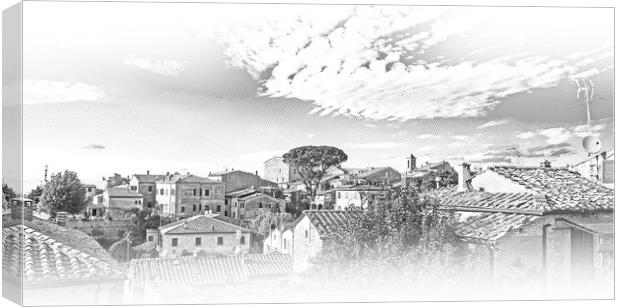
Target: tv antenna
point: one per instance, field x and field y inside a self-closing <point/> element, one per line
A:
<point x="585" y="91"/>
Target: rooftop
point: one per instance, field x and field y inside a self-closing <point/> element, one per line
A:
<point x="49" y="261"/>
<point x="491" y="226"/>
<point x="200" y="224"/>
<point x="122" y="192"/>
<point x="564" y="189"/>
<point x="326" y="222"/>
<point x="148" y="178"/>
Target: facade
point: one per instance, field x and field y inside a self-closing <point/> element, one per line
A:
<point x="246" y="204"/>
<point x="203" y="234"/>
<point x="361" y="197"/>
<point x="542" y="225"/>
<point x="311" y="231"/>
<point x="187" y="195"/>
<point x="120" y="200"/>
<point x="236" y="180"/>
<point x="599" y="167"/>
<point x="86" y="275"/>
<point x="276" y="170"/>
<point x="280" y="240"/>
<point x="429" y="172"/>
<point x="145" y="185"/>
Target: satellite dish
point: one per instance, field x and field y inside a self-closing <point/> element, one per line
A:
<point x="592" y="144"/>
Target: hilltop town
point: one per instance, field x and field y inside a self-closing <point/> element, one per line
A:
<point x="154" y="236"/>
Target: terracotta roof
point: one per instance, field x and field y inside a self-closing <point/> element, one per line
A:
<point x="183" y="271"/>
<point x="149" y="178"/>
<point x="365" y="187"/>
<point x="201" y="271"/>
<point x="326" y="221"/>
<point x="187" y="178"/>
<point x="200" y="224"/>
<point x="268" y="265"/>
<point x="526" y="203"/>
<point x="565" y="190"/>
<point x="48" y="261"/>
<point x="241" y="193"/>
<point x="489" y="227"/>
<point x="122" y="193"/>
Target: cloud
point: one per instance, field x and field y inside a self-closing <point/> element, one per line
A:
<point x="310" y="135"/>
<point x="164" y="67"/>
<point x="526" y="135"/>
<point x="94" y="147"/>
<point x="429" y="136"/>
<point x="493" y="123"/>
<point x="556" y="135"/>
<point x="369" y="62"/>
<point x="379" y="145"/>
<point x="45" y="91"/>
<point x="460" y="137"/>
<point x="583" y="131"/>
<point x="261" y="156"/>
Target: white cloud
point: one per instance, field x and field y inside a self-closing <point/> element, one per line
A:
<point x="260" y="156"/>
<point x="429" y="136"/>
<point x="583" y="131"/>
<point x="457" y="144"/>
<point x="378" y="145"/>
<point x="526" y="135"/>
<point x="556" y="135"/>
<point x="310" y="135"/>
<point x="164" y="67"/>
<point x="460" y="137"/>
<point x="45" y="91"/>
<point x="352" y="66"/>
<point x="493" y="123"/>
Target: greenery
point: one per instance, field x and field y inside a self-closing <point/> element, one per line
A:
<point x="268" y="220"/>
<point x="312" y="163"/>
<point x="406" y="240"/>
<point x="35" y="194"/>
<point x="7" y="192"/>
<point x="427" y="183"/>
<point x="63" y="192"/>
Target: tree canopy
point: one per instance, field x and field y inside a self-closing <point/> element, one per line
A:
<point x="312" y="163"/>
<point x="63" y="192"/>
<point x="7" y="192"/>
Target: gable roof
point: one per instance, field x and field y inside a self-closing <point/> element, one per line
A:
<point x="326" y="222"/>
<point x="48" y="261"/>
<point x="525" y="203"/>
<point x="268" y="264"/>
<point x="240" y="193"/>
<point x="186" y="178"/>
<point x="122" y="192"/>
<point x="148" y="178"/>
<point x="489" y="227"/>
<point x="565" y="190"/>
<point x="200" y="224"/>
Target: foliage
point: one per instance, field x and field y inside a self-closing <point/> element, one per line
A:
<point x="406" y="239"/>
<point x="117" y="180"/>
<point x="312" y="163"/>
<point x="426" y="183"/>
<point x="63" y="192"/>
<point x="35" y="194"/>
<point x="7" y="192"/>
<point x="268" y="220"/>
<point x="118" y="250"/>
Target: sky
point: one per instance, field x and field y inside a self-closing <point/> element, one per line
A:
<point x="130" y="87"/>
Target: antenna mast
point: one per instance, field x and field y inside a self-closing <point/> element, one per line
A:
<point x="587" y="88"/>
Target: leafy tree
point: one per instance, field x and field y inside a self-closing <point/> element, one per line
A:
<point x="35" y="194"/>
<point x="265" y="221"/>
<point x="7" y="192"/>
<point x="117" y="180"/>
<point x="312" y="163"/>
<point x="119" y="250"/>
<point x="63" y="192"/>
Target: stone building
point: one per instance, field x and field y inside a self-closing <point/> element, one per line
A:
<point x="540" y="228"/>
<point x="187" y="195"/>
<point x="280" y="240"/>
<point x="278" y="171"/>
<point x="145" y="184"/>
<point x="416" y="176"/>
<point x="362" y="197"/>
<point x="236" y="180"/>
<point x="204" y="234"/>
<point x="119" y="201"/>
<point x="599" y="167"/>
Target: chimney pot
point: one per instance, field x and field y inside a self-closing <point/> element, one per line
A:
<point x="148" y="172"/>
<point x="21" y="209"/>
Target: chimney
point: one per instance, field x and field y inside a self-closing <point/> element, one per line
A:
<point x="545" y="164"/>
<point x="148" y="172"/>
<point x="464" y="174"/>
<point x="411" y="162"/>
<point x="256" y="173"/>
<point x="21" y="208"/>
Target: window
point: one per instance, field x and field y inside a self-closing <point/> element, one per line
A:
<point x="194" y="192"/>
<point x="182" y="208"/>
<point x="150" y="238"/>
<point x="226" y="201"/>
<point x="206" y="192"/>
<point x="198" y="241"/>
<point x="234" y="215"/>
<point x="260" y="205"/>
<point x="220" y="240"/>
<point x="175" y="242"/>
<point x="219" y="208"/>
<point x="172" y="192"/>
<point x="242" y="240"/>
<point x="339" y="195"/>
<point x="133" y="188"/>
<point x="194" y="207"/>
<point x="149" y="204"/>
<point x="284" y="244"/>
<point x="306" y="234"/>
<point x="150" y="188"/>
<point x="161" y="191"/>
<point x="207" y="208"/>
<point x="241" y="216"/>
<point x="226" y="213"/>
<point x="200" y="207"/>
